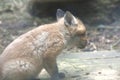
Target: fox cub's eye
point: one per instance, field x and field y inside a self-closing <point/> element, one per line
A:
<point x="83" y="34"/>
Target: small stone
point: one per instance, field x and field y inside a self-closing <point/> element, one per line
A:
<point x="0" y="22"/>
<point x="99" y="72"/>
<point x="87" y="73"/>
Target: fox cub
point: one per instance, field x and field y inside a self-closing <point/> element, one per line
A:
<point x="27" y="55"/>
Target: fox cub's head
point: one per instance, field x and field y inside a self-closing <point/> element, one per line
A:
<point x="75" y="27"/>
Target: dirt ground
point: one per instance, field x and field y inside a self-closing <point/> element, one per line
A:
<point x="100" y="65"/>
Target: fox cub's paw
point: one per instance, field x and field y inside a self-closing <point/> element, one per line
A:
<point x="61" y="75"/>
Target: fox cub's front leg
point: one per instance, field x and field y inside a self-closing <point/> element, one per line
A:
<point x="51" y="67"/>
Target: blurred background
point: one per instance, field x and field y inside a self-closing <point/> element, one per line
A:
<point x="101" y="17"/>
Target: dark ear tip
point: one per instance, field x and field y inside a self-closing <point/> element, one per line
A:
<point x="59" y="14"/>
<point x="68" y="13"/>
<point x="60" y="11"/>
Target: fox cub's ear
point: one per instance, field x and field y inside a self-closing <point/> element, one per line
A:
<point x="69" y="19"/>
<point x="59" y="14"/>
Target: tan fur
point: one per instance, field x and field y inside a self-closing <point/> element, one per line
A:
<point x="27" y="55"/>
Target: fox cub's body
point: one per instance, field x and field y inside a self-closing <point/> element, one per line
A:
<point x="27" y="55"/>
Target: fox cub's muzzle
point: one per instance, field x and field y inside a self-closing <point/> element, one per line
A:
<point x="82" y="40"/>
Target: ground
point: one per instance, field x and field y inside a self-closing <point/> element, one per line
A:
<point x="100" y="65"/>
